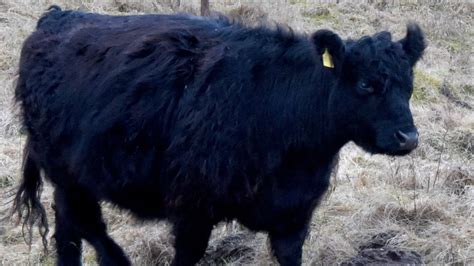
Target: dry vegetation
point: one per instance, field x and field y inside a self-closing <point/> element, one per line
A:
<point x="423" y="202"/>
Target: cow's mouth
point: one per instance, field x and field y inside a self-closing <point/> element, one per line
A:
<point x="386" y="150"/>
<point x="392" y="148"/>
<point x="396" y="142"/>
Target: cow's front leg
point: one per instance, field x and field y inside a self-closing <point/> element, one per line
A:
<point x="191" y="237"/>
<point x="287" y="247"/>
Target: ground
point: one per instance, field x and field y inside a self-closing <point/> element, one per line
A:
<point x="419" y="207"/>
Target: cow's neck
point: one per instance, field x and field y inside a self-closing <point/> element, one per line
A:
<point x="328" y="138"/>
<point x="298" y="110"/>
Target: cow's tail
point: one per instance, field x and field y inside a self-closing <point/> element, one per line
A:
<point x="27" y="204"/>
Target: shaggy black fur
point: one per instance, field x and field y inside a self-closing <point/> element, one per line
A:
<point x="198" y="120"/>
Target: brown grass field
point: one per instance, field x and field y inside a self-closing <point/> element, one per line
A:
<point x="423" y="202"/>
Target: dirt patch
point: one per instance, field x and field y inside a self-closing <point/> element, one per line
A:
<point x="378" y="251"/>
<point x="377" y="256"/>
<point x="459" y="181"/>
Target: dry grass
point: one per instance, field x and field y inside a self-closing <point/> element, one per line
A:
<point x="423" y="202"/>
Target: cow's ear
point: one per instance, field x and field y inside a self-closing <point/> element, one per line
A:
<point x="414" y="43"/>
<point x="329" y="45"/>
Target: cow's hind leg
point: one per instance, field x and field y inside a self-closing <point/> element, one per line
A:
<point x="79" y="216"/>
<point x="191" y="237"/>
<point x="68" y="240"/>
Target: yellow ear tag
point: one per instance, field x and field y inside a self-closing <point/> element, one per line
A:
<point x="327" y="59"/>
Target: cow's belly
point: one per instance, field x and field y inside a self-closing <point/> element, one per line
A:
<point x="283" y="205"/>
<point x="143" y="202"/>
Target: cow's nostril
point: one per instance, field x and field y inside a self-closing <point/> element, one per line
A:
<point x="402" y="137"/>
<point x="408" y="141"/>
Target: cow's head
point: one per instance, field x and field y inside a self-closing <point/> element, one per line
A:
<point x="370" y="103"/>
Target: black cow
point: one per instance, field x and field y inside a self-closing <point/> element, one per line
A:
<point x="199" y="120"/>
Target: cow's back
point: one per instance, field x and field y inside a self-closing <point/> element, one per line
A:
<point x="82" y="52"/>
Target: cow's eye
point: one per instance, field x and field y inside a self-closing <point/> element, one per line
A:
<point x="365" y="87"/>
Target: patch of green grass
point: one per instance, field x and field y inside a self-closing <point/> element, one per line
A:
<point x="6" y="181"/>
<point x="324" y="17"/>
<point x="324" y="20"/>
<point x="294" y="2"/>
<point x="424" y="86"/>
<point x="12" y="238"/>
<point x="319" y="15"/>
<point x="49" y="260"/>
<point x="89" y="259"/>
<point x="456" y="46"/>
<point x="360" y="161"/>
<point x="467" y="89"/>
